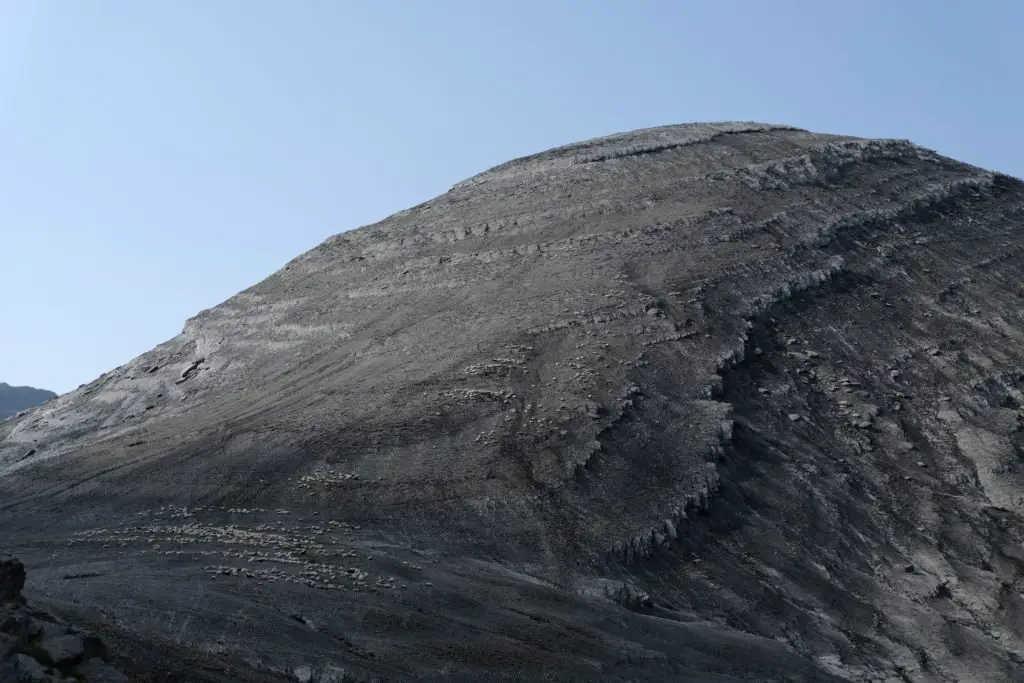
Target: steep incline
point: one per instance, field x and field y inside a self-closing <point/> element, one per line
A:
<point x="598" y="412"/>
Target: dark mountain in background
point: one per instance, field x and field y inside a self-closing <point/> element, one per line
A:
<point x="13" y="400"/>
<point x="718" y="402"/>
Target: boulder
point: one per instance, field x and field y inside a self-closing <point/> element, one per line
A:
<point x="8" y="646"/>
<point x="12" y="579"/>
<point x="63" y="650"/>
<point x="96" y="670"/>
<point x="27" y="670"/>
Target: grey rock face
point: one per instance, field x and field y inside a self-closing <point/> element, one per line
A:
<point x="602" y="413"/>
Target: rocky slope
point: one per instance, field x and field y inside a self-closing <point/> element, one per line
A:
<point x="705" y="402"/>
<point x="36" y="647"/>
<point x="13" y="400"/>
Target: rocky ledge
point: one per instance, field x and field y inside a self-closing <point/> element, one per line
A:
<point x="37" y="647"/>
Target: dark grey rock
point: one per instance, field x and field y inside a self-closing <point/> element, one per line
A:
<point x="8" y="646"/>
<point x="64" y="649"/>
<point x="96" y="670"/>
<point x="12" y="579"/>
<point x="17" y="623"/>
<point x="27" y="670"/>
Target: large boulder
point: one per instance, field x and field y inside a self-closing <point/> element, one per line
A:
<point x="12" y="579"/>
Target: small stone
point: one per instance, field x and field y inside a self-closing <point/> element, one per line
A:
<point x="794" y="417"/>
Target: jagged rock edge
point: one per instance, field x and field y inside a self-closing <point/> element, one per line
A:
<point x="644" y="544"/>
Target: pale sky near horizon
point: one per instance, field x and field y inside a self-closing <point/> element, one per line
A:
<point x="156" y="157"/>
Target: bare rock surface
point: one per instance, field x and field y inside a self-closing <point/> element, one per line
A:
<point x="715" y="402"/>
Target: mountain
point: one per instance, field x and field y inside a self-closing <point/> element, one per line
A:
<point x="709" y="402"/>
<point x="13" y="400"/>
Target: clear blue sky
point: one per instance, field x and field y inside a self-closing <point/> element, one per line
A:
<point x="157" y="156"/>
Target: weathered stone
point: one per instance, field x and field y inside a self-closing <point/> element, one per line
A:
<point x="12" y="579"/>
<point x="28" y="670"/>
<point x="47" y="640"/>
<point x="15" y="622"/>
<point x="96" y="670"/>
<point x="8" y="644"/>
<point x="63" y="649"/>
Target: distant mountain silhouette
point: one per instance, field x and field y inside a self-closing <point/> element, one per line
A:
<point x="13" y="400"/>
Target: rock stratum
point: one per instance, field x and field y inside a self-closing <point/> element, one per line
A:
<point x="721" y="402"/>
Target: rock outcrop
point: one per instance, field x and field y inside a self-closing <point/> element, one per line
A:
<point x="37" y="647"/>
<point x="704" y="402"/>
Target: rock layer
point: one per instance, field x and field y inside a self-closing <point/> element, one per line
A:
<point x="598" y="413"/>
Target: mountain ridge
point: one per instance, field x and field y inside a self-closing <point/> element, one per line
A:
<point x="14" y="399"/>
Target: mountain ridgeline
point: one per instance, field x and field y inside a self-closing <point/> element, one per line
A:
<point x="708" y="402"/>
<point x="13" y="400"/>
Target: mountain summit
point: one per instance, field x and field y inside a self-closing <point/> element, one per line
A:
<point x="703" y="402"/>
